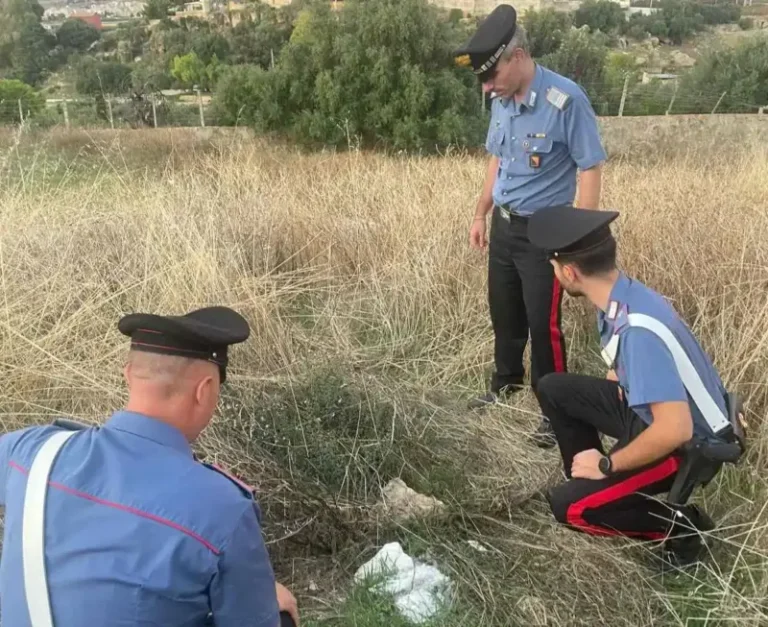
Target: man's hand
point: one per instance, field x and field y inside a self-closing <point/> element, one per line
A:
<point x="477" y="234"/>
<point x="585" y="465"/>
<point x="286" y="602"/>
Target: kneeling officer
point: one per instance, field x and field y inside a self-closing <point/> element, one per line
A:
<point x="662" y="399"/>
<point x="120" y="525"/>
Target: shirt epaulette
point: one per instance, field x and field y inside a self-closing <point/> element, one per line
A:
<point x="69" y="425"/>
<point x="247" y="490"/>
<point x="557" y="98"/>
<point x="617" y="314"/>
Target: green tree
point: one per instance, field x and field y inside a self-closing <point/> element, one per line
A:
<point x="619" y="67"/>
<point x="94" y="77"/>
<point x="157" y="9"/>
<point x="380" y="71"/>
<point x="191" y="71"/>
<point x="190" y="36"/>
<point x="76" y="35"/>
<point x="149" y="75"/>
<point x="546" y="30"/>
<point x="740" y="71"/>
<point x="15" y="94"/>
<point x="582" y="57"/>
<point x="603" y="15"/>
<point x="24" y="43"/>
<point x="258" y="42"/>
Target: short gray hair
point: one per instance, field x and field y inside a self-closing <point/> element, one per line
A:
<point x="519" y="40"/>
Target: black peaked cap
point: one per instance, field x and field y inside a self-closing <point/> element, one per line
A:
<point x="483" y="50"/>
<point x="567" y="231"/>
<point x="201" y="334"/>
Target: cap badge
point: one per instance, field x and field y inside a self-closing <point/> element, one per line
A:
<point x="463" y="60"/>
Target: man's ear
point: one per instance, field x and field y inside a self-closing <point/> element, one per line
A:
<point x="204" y="389"/>
<point x="570" y="272"/>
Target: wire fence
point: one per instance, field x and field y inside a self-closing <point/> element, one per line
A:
<point x="653" y="97"/>
<point x="666" y="96"/>
<point x="110" y="112"/>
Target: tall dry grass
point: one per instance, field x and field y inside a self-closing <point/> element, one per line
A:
<point x="370" y="330"/>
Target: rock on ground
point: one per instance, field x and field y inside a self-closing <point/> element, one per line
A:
<point x="402" y="502"/>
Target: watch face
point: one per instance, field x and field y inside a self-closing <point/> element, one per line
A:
<point x="604" y="465"/>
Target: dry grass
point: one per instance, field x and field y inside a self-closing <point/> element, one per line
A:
<point x="370" y="331"/>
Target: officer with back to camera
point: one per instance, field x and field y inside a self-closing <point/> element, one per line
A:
<point x="136" y="531"/>
<point x="543" y="133"/>
<point x="649" y="401"/>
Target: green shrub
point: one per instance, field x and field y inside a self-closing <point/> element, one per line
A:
<point x="16" y="98"/>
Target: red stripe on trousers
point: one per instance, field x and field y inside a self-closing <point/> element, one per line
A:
<point x="575" y="514"/>
<point x="555" y="335"/>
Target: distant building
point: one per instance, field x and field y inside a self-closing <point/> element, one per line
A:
<point x="484" y="7"/>
<point x="657" y="76"/>
<point x="94" y="19"/>
<point x="200" y="10"/>
<point x="642" y="10"/>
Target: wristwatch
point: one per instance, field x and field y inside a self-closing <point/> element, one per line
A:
<point x="605" y="466"/>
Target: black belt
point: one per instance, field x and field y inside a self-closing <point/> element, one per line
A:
<point x="508" y="213"/>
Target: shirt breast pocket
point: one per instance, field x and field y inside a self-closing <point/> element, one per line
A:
<point x="536" y="152"/>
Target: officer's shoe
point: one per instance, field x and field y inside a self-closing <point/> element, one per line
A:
<point x="491" y="398"/>
<point x="685" y="548"/>
<point x="480" y="402"/>
<point x="682" y="552"/>
<point x="698" y="518"/>
<point x="544" y="436"/>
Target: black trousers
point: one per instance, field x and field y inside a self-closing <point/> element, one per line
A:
<point x="579" y="408"/>
<point x="524" y="297"/>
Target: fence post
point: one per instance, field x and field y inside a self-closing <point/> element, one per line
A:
<point x="671" y="102"/>
<point x="66" y="113"/>
<point x="21" y="113"/>
<point x="717" y="104"/>
<point x="154" y="111"/>
<point x="109" y="111"/>
<point x="623" y="95"/>
<point x="200" y="104"/>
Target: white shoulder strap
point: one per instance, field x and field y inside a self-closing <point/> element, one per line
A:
<point x="691" y="380"/>
<point x="33" y="532"/>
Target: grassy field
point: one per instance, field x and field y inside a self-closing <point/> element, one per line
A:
<point x="370" y="333"/>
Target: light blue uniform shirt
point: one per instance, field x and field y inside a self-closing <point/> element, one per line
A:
<point x="644" y="366"/>
<point x="137" y="532"/>
<point x="541" y="147"/>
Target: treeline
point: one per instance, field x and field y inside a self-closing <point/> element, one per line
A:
<point x="673" y="21"/>
<point x="373" y="73"/>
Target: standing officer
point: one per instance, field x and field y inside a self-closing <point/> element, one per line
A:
<point x="542" y="131"/>
<point x="651" y="401"/>
<point x="135" y="530"/>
